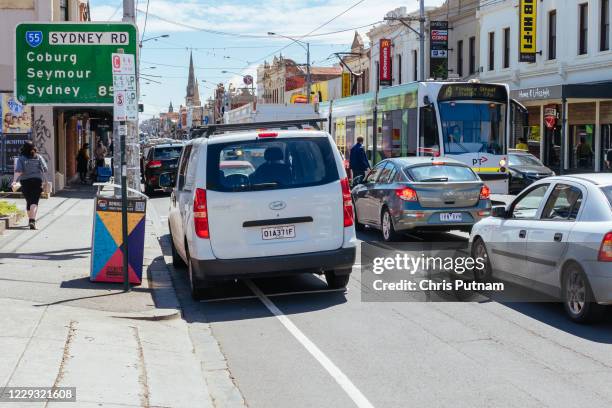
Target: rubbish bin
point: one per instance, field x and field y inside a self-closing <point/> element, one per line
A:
<point x="107" y="238"/>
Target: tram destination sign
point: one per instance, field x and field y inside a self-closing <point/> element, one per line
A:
<point x="69" y="63"/>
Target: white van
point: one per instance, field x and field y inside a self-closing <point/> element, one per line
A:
<point x="262" y="203"/>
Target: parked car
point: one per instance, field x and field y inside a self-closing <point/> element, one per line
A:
<point x="403" y="194"/>
<point x="262" y="203"/>
<point x="556" y="238"/>
<point x="160" y="166"/>
<point x="524" y="169"/>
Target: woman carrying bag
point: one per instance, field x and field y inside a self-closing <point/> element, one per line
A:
<point x="30" y="169"/>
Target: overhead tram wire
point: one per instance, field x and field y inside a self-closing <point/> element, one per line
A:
<point x="115" y="12"/>
<point x="311" y="32"/>
<point x="144" y="28"/>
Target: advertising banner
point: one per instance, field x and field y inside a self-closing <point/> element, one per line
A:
<point x="346" y="84"/>
<point x="11" y="146"/>
<point x="527" y="31"/>
<point x="438" y="49"/>
<point x="107" y="256"/>
<point x="385" y="65"/>
<point x="16" y="118"/>
<point x="68" y="63"/>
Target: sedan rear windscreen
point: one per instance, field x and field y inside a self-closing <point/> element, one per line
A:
<point x="165" y="153"/>
<point x="441" y="173"/>
<point x="268" y="164"/>
<point x="608" y="192"/>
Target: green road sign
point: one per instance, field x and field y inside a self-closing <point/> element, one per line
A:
<point x="69" y="63"/>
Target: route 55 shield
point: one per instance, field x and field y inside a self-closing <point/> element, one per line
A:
<point x="34" y="38"/>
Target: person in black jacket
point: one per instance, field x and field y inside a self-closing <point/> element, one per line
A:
<point x="358" y="160"/>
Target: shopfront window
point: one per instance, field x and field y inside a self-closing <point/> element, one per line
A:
<point x="581" y="144"/>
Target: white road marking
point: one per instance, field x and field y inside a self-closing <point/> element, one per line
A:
<point x="351" y="390"/>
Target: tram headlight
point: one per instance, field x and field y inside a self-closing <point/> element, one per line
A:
<point x="502" y="165"/>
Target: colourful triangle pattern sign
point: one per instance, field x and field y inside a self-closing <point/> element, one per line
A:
<point x="107" y="255"/>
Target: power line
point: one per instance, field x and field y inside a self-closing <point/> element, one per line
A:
<point x="183" y="66"/>
<point x="115" y="12"/>
<point x="144" y="28"/>
<point x="316" y="29"/>
<point x="185" y="25"/>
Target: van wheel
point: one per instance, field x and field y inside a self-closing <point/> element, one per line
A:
<point x="386" y="226"/>
<point x="578" y="299"/>
<point x="177" y="261"/>
<point x="336" y="280"/>
<point x="479" y="250"/>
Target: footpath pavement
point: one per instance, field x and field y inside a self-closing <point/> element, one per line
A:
<point x="118" y="349"/>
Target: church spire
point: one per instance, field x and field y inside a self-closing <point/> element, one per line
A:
<point x="170" y="108"/>
<point x="190" y="98"/>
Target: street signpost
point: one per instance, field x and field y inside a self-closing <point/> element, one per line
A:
<point x="125" y="108"/>
<point x="68" y="63"/>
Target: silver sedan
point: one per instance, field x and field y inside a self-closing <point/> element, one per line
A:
<point x="424" y="193"/>
<point x="555" y="238"/>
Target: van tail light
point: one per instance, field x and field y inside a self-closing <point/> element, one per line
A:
<point x="347" y="203"/>
<point x="406" y="194"/>
<point x="154" y="164"/>
<point x="605" y="251"/>
<point x="485" y="192"/>
<point x="200" y="214"/>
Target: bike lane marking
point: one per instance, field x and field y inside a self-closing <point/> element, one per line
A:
<point x="345" y="383"/>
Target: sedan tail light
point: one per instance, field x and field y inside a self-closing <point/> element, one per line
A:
<point x="347" y="203"/>
<point x="485" y="192"/>
<point x="154" y="164"/>
<point x="406" y="194"/>
<point x="605" y="251"/>
<point x="200" y="214"/>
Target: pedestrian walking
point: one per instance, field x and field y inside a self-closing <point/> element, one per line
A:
<point x="30" y="170"/>
<point x="82" y="160"/>
<point x="358" y="160"/>
<point x="100" y="154"/>
<point x="608" y="161"/>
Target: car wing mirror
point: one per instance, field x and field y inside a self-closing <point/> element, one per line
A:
<point x="498" y="212"/>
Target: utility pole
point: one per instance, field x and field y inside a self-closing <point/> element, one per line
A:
<point x="422" y="38"/>
<point x="308" y="79"/>
<point x="420" y="34"/>
<point x="126" y="134"/>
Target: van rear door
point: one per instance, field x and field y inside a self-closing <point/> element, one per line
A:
<point x="273" y="196"/>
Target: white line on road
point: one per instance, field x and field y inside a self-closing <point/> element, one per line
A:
<point x="352" y="391"/>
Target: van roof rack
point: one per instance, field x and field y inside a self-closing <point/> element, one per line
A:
<point x="209" y="130"/>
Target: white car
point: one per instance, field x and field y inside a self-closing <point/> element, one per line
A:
<point x="556" y="238"/>
<point x="284" y="208"/>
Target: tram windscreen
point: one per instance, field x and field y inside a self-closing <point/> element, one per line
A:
<point x="473" y="126"/>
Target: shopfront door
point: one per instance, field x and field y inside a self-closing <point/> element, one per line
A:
<point x="581" y="143"/>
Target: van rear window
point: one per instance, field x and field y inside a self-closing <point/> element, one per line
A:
<point x="269" y="164"/>
<point x="608" y="192"/>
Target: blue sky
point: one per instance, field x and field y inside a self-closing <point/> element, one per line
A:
<point x="248" y="45"/>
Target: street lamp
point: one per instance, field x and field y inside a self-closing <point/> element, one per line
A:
<point x="153" y="38"/>
<point x="306" y="47"/>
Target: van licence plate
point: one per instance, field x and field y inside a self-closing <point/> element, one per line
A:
<point x="446" y="217"/>
<point x="281" y="232"/>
